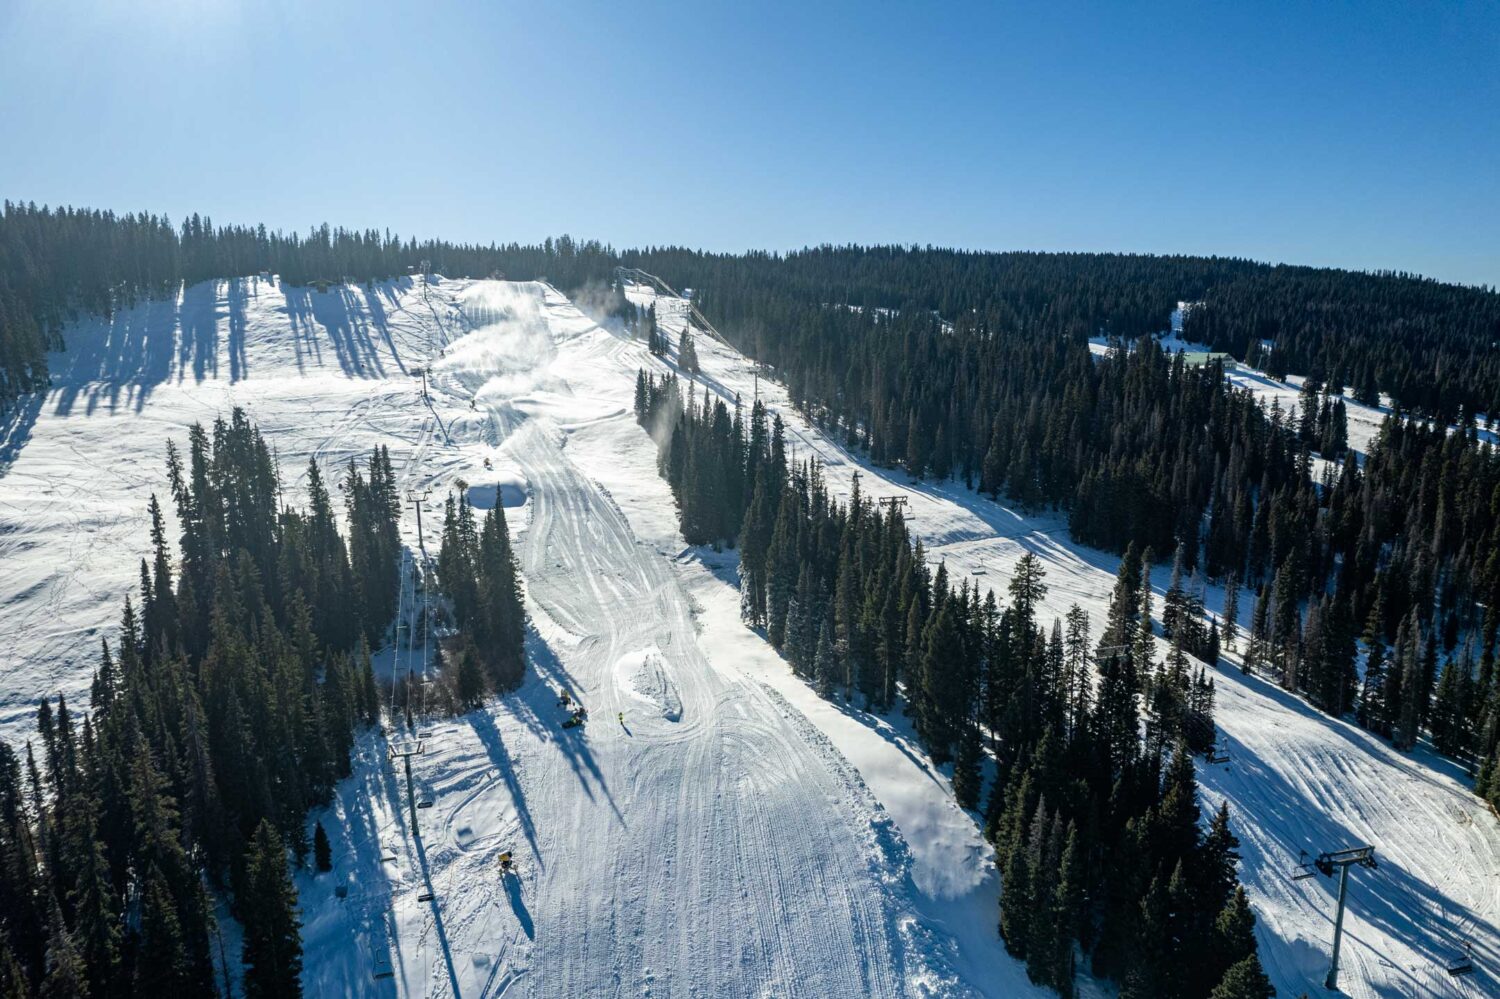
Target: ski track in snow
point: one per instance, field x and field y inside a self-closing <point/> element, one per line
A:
<point x="737" y="835"/>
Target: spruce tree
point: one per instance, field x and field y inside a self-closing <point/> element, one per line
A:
<point x="469" y="684"/>
<point x="1244" y="980"/>
<point x="322" y="851"/>
<point x="162" y="964"/>
<point x="268" y="908"/>
<point x="967" y="780"/>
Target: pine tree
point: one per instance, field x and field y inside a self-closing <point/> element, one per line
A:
<point x="96" y="919"/>
<point x="825" y="665"/>
<point x="1255" y="650"/>
<point x="942" y="656"/>
<point x="13" y="982"/>
<point x="1234" y="931"/>
<point x="687" y="353"/>
<point x="469" y="687"/>
<point x="1124" y="601"/>
<point x="1373" y="712"/>
<point x="967" y="781"/>
<point x="1450" y="724"/>
<point x="268" y="909"/>
<point x="322" y="851"/>
<point x="1230" y="629"/>
<point x="162" y="964"/>
<point x="66" y="975"/>
<point x="1244" y="980"/>
<point x="1413" y="695"/>
<point x="1069" y="901"/>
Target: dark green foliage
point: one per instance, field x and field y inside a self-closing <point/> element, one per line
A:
<point x="58" y="263"/>
<point x="477" y="569"/>
<point x="374" y="509"/>
<point x="848" y="601"/>
<point x="977" y="364"/>
<point x="226" y="708"/>
<point x="470" y="685"/>
<point x="322" y="851"/>
<point x="687" y="353"/>
<point x="1245" y="980"/>
<point x="267" y="906"/>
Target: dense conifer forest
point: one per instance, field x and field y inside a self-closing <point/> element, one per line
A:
<point x="1145" y="451"/>
<point x="1429" y="345"/>
<point x="226" y="708"/>
<point x="1096" y="827"/>
<point x="478" y="572"/>
<point x="60" y="264"/>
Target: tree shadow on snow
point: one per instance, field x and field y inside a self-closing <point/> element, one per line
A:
<point x="127" y="354"/>
<point x="309" y="309"/>
<point x="534" y="706"/>
<point x="483" y="725"/>
<point x="437" y="913"/>
<point x="15" y="428"/>
<point x="375" y="309"/>
<point x="1392" y="898"/>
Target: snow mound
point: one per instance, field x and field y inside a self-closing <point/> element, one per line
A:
<point x="643" y="676"/>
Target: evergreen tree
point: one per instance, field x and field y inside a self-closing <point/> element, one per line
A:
<point x="469" y="682"/>
<point x="1244" y="980"/>
<point x="322" y="851"/>
<point x="687" y="353"/>
<point x="66" y="976"/>
<point x="268" y="909"/>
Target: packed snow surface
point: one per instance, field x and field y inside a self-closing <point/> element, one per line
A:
<point x="714" y="828"/>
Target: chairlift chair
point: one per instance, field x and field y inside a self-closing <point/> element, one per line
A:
<point x="1303" y="870"/>
<point x="1461" y="967"/>
<point x="426" y="896"/>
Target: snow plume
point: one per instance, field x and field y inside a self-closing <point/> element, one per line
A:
<point x="594" y="300"/>
<point x="508" y="349"/>
<point x="660" y="424"/>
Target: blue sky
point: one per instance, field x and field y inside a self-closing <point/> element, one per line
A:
<point x="1351" y="134"/>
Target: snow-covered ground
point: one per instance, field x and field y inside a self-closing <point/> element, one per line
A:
<point x="736" y="835"/>
<point x="1297" y="779"/>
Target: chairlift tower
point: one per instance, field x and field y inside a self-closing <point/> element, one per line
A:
<point x="897" y="504"/>
<point x="416" y="499"/>
<point x="1364" y="856"/>
<point x="405" y="750"/>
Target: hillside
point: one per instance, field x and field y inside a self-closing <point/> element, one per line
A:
<point x="735" y="829"/>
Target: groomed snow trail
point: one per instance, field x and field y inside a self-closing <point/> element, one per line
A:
<point x="727" y="808"/>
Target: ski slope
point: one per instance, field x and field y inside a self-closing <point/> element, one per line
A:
<point x="736" y="835"/>
<point x="1297" y="779"/>
<point x="715" y="843"/>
